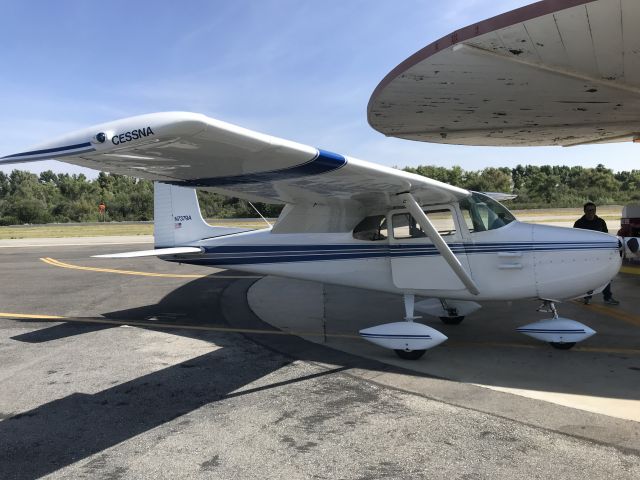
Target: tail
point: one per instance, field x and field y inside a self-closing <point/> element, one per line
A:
<point x="178" y="220"/>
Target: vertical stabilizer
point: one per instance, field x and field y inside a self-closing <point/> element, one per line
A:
<point x="177" y="217"/>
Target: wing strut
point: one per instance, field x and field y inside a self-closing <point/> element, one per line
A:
<point x="439" y="242"/>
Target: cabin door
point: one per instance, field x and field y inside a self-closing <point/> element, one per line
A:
<point x="415" y="262"/>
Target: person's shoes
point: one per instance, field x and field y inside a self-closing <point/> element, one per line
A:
<point x="611" y="301"/>
<point x="586" y="300"/>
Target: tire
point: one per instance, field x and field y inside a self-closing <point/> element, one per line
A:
<point x="562" y="346"/>
<point x="451" y="320"/>
<point x="410" y="355"/>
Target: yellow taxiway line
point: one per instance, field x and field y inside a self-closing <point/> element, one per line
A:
<point x="31" y="317"/>
<point x="613" y="313"/>
<point x="578" y="348"/>
<point x="171" y="326"/>
<point x="256" y="331"/>
<point x="631" y="270"/>
<point x="616" y="313"/>
<point x="58" y="263"/>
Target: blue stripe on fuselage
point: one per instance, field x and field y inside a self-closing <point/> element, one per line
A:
<point x="260" y="254"/>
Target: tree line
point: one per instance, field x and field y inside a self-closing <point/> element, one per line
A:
<point x="29" y="198"/>
<point x="544" y="186"/>
<point x="49" y="197"/>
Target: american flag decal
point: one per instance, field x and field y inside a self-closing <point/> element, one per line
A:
<point x="178" y="225"/>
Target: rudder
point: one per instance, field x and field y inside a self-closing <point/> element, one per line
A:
<point x="177" y="217"/>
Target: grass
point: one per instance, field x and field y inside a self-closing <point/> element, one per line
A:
<point x="611" y="213"/>
<point x="100" y="230"/>
<point x="608" y="212"/>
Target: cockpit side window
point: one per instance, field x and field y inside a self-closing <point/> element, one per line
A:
<point x="482" y="213"/>
<point x="372" y="228"/>
<point x="405" y="226"/>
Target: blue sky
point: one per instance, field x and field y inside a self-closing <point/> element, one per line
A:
<point x="300" y="70"/>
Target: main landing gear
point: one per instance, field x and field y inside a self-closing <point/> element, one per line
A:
<point x="450" y="312"/>
<point x="561" y="333"/>
<point x="452" y="317"/>
<point x="408" y="339"/>
<point x="410" y="354"/>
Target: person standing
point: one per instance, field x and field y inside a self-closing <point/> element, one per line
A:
<point x="590" y="221"/>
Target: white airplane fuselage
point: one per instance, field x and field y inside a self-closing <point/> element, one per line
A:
<point x="516" y="261"/>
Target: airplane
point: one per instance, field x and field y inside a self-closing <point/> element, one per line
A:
<point x="354" y="223"/>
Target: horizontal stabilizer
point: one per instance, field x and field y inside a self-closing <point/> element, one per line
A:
<point x="153" y="253"/>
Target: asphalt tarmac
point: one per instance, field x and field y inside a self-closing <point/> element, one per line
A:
<point x="171" y="389"/>
<point x="599" y="375"/>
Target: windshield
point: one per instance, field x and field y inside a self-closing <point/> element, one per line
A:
<point x="482" y="213"/>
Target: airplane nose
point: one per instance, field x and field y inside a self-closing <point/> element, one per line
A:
<point x="570" y="262"/>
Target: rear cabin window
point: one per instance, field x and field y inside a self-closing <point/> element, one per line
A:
<point x="372" y="228"/>
<point x="405" y="226"/>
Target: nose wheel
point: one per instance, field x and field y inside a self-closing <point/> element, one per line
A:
<point x="561" y="333"/>
<point x="548" y="306"/>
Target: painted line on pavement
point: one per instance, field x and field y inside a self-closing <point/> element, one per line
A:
<point x="34" y="317"/>
<point x="254" y="331"/>
<point x="612" y="313"/>
<point x="577" y="348"/>
<point x="58" y="263"/>
<point x="171" y="326"/>
<point x="74" y="244"/>
<point x="615" y="313"/>
<point x="630" y="270"/>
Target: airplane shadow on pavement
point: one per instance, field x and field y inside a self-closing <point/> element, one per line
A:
<point x="67" y="430"/>
<point x="62" y="432"/>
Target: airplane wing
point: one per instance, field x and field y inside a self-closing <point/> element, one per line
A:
<point x="193" y="150"/>
<point x="556" y="72"/>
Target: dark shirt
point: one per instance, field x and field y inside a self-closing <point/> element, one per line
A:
<point x="597" y="224"/>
